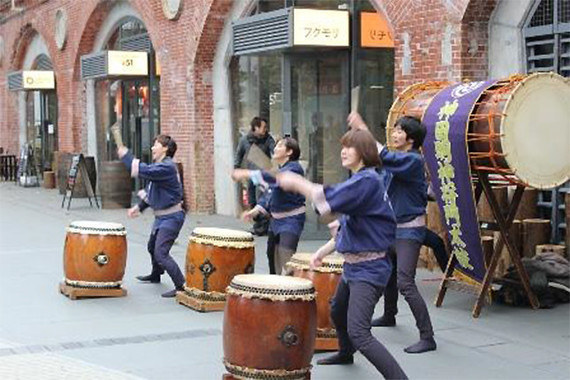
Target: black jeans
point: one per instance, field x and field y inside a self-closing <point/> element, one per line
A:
<point x="351" y="311"/>
<point x="404" y="255"/>
<point x="159" y="245"/>
<point x="280" y="248"/>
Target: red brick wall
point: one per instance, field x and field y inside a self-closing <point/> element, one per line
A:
<point x="186" y="50"/>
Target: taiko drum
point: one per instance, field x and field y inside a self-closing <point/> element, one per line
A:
<point x="215" y="255"/>
<point x="95" y="254"/>
<point x="517" y="129"/>
<point x="325" y="279"/>
<point x="269" y="327"/>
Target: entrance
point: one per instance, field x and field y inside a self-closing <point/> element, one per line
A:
<point x="319" y="106"/>
<point x="41" y="127"/>
<point x="140" y="119"/>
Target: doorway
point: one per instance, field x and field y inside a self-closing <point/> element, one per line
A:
<point x="319" y="107"/>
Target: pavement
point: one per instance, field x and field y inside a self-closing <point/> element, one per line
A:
<point x="45" y="335"/>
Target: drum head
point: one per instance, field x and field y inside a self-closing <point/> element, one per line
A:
<point x="96" y="228"/>
<point x="271" y="287"/>
<point x="536" y="130"/>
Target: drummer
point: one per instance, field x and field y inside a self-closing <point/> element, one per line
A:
<point x="164" y="195"/>
<point x="287" y="210"/>
<point x="367" y="229"/>
<point x="406" y="183"/>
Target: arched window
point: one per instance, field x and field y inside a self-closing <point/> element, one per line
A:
<point x="547" y="37"/>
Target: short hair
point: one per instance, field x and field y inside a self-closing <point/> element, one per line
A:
<point x="414" y="129"/>
<point x="364" y="144"/>
<point x="291" y="144"/>
<point x="167" y="142"/>
<point x="256" y="122"/>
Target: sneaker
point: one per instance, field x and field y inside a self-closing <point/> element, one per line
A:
<point x="384" y="321"/>
<point x="340" y="359"/>
<point x="424" y="345"/>
<point x="152" y="278"/>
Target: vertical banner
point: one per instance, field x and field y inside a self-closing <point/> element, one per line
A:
<point x="446" y="154"/>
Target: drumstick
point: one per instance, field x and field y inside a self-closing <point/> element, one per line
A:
<point x="354" y="98"/>
<point x="256" y="156"/>
<point x="116" y="132"/>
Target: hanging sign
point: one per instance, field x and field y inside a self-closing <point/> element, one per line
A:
<point x="375" y="31"/>
<point x="315" y="27"/>
<point x="127" y="63"/>
<point x="38" y="80"/>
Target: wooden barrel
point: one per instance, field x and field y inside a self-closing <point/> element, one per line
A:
<point x="325" y="279"/>
<point x="63" y="166"/>
<point x="115" y="186"/>
<point x="556" y="248"/>
<point x="487" y="244"/>
<point x="49" y="180"/>
<point x="95" y="254"/>
<point x="528" y="208"/>
<point x="484" y="209"/>
<point x="535" y="232"/>
<point x="505" y="261"/>
<point x="269" y="327"/>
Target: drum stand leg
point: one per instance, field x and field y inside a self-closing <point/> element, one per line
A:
<point x="503" y="223"/>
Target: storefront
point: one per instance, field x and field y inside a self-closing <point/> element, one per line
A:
<point x="296" y="66"/>
<point x="38" y="105"/>
<point x="126" y="91"/>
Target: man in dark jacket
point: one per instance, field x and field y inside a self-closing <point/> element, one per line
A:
<point x="258" y="135"/>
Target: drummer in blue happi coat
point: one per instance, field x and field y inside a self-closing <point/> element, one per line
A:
<point x="286" y="209"/>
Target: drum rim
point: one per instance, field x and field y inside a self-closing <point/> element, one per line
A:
<point x="328" y="263"/>
<point x="96" y="227"/>
<point x="505" y="122"/>
<point x="275" y="282"/>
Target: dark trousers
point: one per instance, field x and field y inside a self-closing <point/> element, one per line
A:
<point x="159" y="244"/>
<point x="251" y="194"/>
<point x="404" y="255"/>
<point x="351" y="312"/>
<point x="433" y="241"/>
<point x="280" y="248"/>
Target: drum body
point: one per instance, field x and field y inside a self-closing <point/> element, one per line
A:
<point x="95" y="254"/>
<point x="215" y="255"/>
<point x="518" y="129"/>
<point x="269" y="327"/>
<point x="325" y="280"/>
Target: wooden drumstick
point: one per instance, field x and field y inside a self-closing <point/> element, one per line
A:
<point x="116" y="132"/>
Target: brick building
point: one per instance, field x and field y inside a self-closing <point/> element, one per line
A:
<point x="203" y="95"/>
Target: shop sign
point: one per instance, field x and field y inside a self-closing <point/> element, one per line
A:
<point x="375" y="31"/>
<point x="127" y="63"/>
<point x="313" y="27"/>
<point x="38" y="80"/>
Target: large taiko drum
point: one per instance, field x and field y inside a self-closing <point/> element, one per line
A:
<point x="519" y="129"/>
<point x="95" y="255"/>
<point x="269" y="327"/>
<point x="214" y="256"/>
<point x="325" y="279"/>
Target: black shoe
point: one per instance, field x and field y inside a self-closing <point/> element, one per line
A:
<point x="152" y="278"/>
<point x="424" y="345"/>
<point x="172" y="293"/>
<point x="384" y="321"/>
<point x="336" y="359"/>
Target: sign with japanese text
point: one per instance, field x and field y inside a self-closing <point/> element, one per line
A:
<point x="375" y="31"/>
<point x="38" y="80"/>
<point x="315" y="27"/>
<point x="127" y="63"/>
<point x="445" y="151"/>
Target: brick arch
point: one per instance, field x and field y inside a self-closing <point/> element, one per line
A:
<point x="21" y="43"/>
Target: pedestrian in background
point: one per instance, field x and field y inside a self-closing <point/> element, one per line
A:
<point x="258" y="135"/>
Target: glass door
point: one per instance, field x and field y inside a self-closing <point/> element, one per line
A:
<point x="319" y="107"/>
<point x="48" y="112"/>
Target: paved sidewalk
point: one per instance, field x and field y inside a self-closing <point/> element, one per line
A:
<point x="44" y="335"/>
